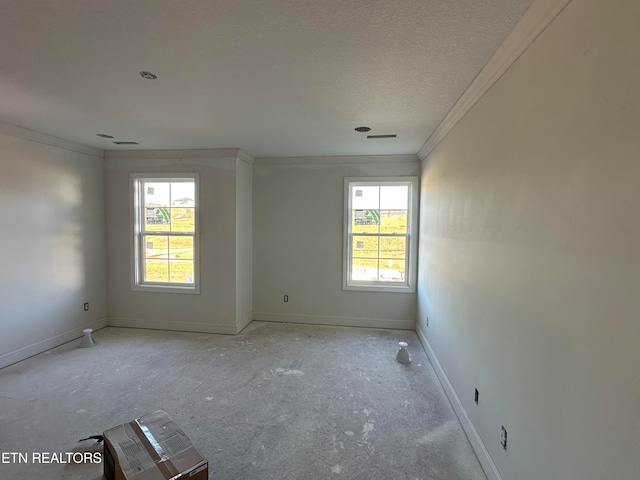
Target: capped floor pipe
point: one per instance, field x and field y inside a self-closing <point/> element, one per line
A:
<point x="87" y="340"/>
<point x="403" y="356"/>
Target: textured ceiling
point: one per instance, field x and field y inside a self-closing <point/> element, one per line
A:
<point x="274" y="78"/>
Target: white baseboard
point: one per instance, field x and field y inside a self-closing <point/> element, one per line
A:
<point x="337" y="321"/>
<point x="229" y="329"/>
<point x="478" y="445"/>
<point x="48" y="343"/>
<point x="244" y="322"/>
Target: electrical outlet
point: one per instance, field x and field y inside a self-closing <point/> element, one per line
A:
<point x="477" y="396"/>
<point x="503" y="437"/>
<point x="286" y="298"/>
<point x="86" y="307"/>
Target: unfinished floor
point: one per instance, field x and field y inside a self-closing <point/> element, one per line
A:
<point x="278" y="401"/>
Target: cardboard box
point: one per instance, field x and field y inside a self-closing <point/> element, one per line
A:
<point x="152" y="447"/>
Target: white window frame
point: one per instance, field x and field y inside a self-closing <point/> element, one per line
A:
<point x="409" y="285"/>
<point x="136" y="222"/>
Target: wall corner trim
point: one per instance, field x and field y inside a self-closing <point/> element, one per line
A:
<point x="46" y="139"/>
<point x="535" y="20"/>
<point x="488" y="465"/>
<point x="244" y="322"/>
<point x="245" y="157"/>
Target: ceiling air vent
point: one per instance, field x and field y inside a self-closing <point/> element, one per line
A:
<point x="104" y="135"/>
<point x="382" y="136"/>
<point x="363" y="129"/>
<point x="126" y="143"/>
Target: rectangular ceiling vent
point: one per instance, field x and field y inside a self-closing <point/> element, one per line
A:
<point x="382" y="136"/>
<point x="126" y="143"/>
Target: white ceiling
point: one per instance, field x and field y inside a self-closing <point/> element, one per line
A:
<point x="272" y="77"/>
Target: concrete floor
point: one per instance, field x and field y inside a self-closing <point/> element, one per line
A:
<point x="278" y="401"/>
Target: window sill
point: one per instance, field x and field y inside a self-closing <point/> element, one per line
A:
<point x="380" y="288"/>
<point x="193" y="290"/>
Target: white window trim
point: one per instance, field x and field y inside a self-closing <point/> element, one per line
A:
<point x="135" y="231"/>
<point x="412" y="231"/>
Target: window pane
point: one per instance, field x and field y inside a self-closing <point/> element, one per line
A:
<point x="156" y="246"/>
<point x="156" y="270"/>
<point x="392" y="270"/>
<point x="365" y="247"/>
<point x="183" y="206"/>
<point x="182" y="219"/>
<point x="156" y="194"/>
<point x="393" y="221"/>
<point x="365" y="221"/>
<point x="364" y="270"/>
<point x="363" y="198"/>
<point x="169" y="206"/>
<point x="393" y="247"/>
<point x="183" y="194"/>
<point x="157" y="199"/>
<point x="157" y="219"/>
<point x="181" y="248"/>
<point x="181" y="271"/>
<point x="394" y="197"/>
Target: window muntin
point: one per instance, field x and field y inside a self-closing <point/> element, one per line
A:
<point x="380" y="216"/>
<point x="165" y="233"/>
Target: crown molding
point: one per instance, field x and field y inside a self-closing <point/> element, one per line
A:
<point x="46" y="139"/>
<point x="169" y="154"/>
<point x="535" y="20"/>
<point x="343" y="160"/>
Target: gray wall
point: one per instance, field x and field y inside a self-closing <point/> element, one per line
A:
<point x="297" y="231"/>
<point x="214" y="309"/>
<point x="530" y="253"/>
<point x="52" y="246"/>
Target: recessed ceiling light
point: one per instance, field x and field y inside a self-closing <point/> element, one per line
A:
<point x="148" y="75"/>
<point x="363" y="129"/>
<point x="382" y="136"/>
<point x="126" y="143"/>
<point x="104" y="135"/>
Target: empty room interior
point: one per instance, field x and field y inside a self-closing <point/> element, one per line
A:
<point x="244" y="207"/>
